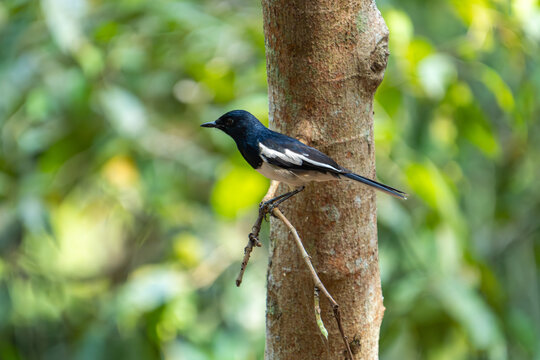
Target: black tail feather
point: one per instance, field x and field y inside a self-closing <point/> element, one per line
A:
<point x="376" y="185"/>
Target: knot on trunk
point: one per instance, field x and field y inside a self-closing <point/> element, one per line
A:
<point x="376" y="64"/>
<point x="379" y="56"/>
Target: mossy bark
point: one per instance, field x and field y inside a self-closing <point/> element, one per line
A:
<point x="325" y="59"/>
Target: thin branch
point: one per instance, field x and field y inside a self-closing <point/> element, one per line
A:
<point x="254" y="241"/>
<point x="318" y="283"/>
<point x="254" y="235"/>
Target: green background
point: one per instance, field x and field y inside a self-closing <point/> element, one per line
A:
<point x="122" y="223"/>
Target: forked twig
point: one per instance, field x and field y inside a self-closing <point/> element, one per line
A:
<point x="316" y="280"/>
<point x="254" y="241"/>
<point x="254" y="234"/>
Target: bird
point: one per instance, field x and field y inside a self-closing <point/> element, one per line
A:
<point x="285" y="159"/>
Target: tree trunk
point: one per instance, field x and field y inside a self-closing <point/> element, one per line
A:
<point x="325" y="59"/>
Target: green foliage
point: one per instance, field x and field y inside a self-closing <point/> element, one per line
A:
<point x="456" y="118"/>
<point x="120" y="236"/>
<point x="110" y="247"/>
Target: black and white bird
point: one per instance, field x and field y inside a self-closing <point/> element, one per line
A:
<point x="285" y="159"/>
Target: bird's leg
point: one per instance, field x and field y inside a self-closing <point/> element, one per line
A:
<point x="277" y="201"/>
<point x="273" y="203"/>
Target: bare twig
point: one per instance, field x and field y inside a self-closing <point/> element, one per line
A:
<point x="319" y="286"/>
<point x="316" y="280"/>
<point x="254" y="235"/>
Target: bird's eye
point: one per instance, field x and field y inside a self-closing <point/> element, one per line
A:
<point x="229" y="121"/>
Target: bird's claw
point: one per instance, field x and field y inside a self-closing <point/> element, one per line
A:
<point x="263" y="207"/>
<point x="266" y="208"/>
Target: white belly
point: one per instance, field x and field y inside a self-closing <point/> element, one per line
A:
<point x="292" y="178"/>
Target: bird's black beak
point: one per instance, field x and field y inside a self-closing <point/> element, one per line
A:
<point x="209" y="124"/>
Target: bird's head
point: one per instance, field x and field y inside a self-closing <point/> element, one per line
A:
<point x="236" y="123"/>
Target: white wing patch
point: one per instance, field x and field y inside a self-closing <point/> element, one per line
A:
<point x="291" y="157"/>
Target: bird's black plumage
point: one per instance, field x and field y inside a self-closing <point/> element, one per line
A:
<point x="280" y="157"/>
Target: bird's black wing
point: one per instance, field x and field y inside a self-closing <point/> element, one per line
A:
<point x="289" y="153"/>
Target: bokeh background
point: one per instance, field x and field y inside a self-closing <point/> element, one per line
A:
<point x="122" y="223"/>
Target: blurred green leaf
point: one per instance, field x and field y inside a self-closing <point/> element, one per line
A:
<point x="470" y="311"/>
<point x="498" y="87"/>
<point x="239" y="189"/>
<point x="124" y="111"/>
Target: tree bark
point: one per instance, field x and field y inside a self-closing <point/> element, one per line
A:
<point x="325" y="59"/>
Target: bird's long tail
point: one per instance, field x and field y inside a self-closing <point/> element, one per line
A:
<point x="376" y="185"/>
